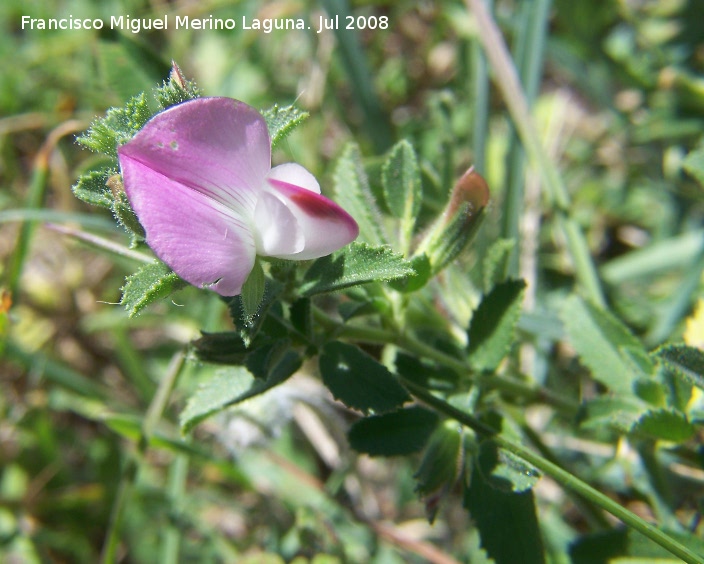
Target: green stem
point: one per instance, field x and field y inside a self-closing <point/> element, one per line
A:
<point x="176" y="491"/>
<point x="510" y="86"/>
<point x="565" y="478"/>
<point x="498" y="382"/>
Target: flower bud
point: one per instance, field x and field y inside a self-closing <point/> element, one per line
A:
<point x="459" y="222"/>
<point x="441" y="466"/>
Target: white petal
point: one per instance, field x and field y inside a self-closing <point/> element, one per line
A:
<point x="295" y="174"/>
<point x="320" y="223"/>
<point x="277" y="231"/>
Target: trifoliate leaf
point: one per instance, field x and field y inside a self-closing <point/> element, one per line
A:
<point x="357" y="263"/>
<point x="492" y="328"/>
<point x="150" y="283"/>
<point x="359" y="381"/>
<point x="282" y="121"/>
<point x="398" y="433"/>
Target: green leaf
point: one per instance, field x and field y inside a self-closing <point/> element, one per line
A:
<point x="505" y="471"/>
<point x="420" y="277"/>
<point x="150" y="283"/>
<point x="176" y="90"/>
<point x="628" y="546"/>
<point x="400" y="179"/>
<point x="604" y="345"/>
<point x="352" y="192"/>
<point x="397" y="433"/>
<point x="495" y="262"/>
<point x="281" y="121"/>
<point x="359" y="381"/>
<point x="507" y="522"/>
<point x="358" y="263"/>
<point x="92" y="187"/>
<point x="620" y="413"/>
<point x="117" y="127"/>
<point x="125" y="216"/>
<point x="253" y="291"/>
<point x="665" y="424"/>
<point x="232" y="386"/>
<point x="248" y="323"/>
<point x="686" y="362"/>
<point x="492" y="328"/>
<point x="693" y="164"/>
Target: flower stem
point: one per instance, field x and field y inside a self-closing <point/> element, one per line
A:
<point x="563" y="477"/>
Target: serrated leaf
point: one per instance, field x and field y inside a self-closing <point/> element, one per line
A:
<point x="401" y="183"/>
<point x="281" y="121"/>
<point x="125" y="216"/>
<point x="352" y="192"/>
<point x="118" y="126"/>
<point x="397" y="433"/>
<point x="249" y="324"/>
<point x="400" y="178"/>
<point x="359" y="381"/>
<point x="493" y="324"/>
<point x="507" y="522"/>
<point x="686" y="362"/>
<point x="253" y="291"/>
<point x="422" y="271"/>
<point x="620" y="413"/>
<point x="152" y="282"/>
<point x="92" y="187"/>
<point x="604" y="344"/>
<point x="358" y="263"/>
<point x="176" y="90"/>
<point x="505" y="471"/>
<point x="665" y="424"/>
<point x="495" y="261"/>
<point x="225" y="389"/>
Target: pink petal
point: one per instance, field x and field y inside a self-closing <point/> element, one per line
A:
<point x="203" y="241"/>
<point x="323" y="225"/>
<point x="218" y="147"/>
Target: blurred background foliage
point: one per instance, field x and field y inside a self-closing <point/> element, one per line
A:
<point x="621" y="106"/>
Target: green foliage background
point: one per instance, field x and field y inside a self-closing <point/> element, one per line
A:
<point x="93" y="462"/>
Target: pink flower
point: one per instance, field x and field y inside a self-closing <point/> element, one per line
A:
<point x="199" y="178"/>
